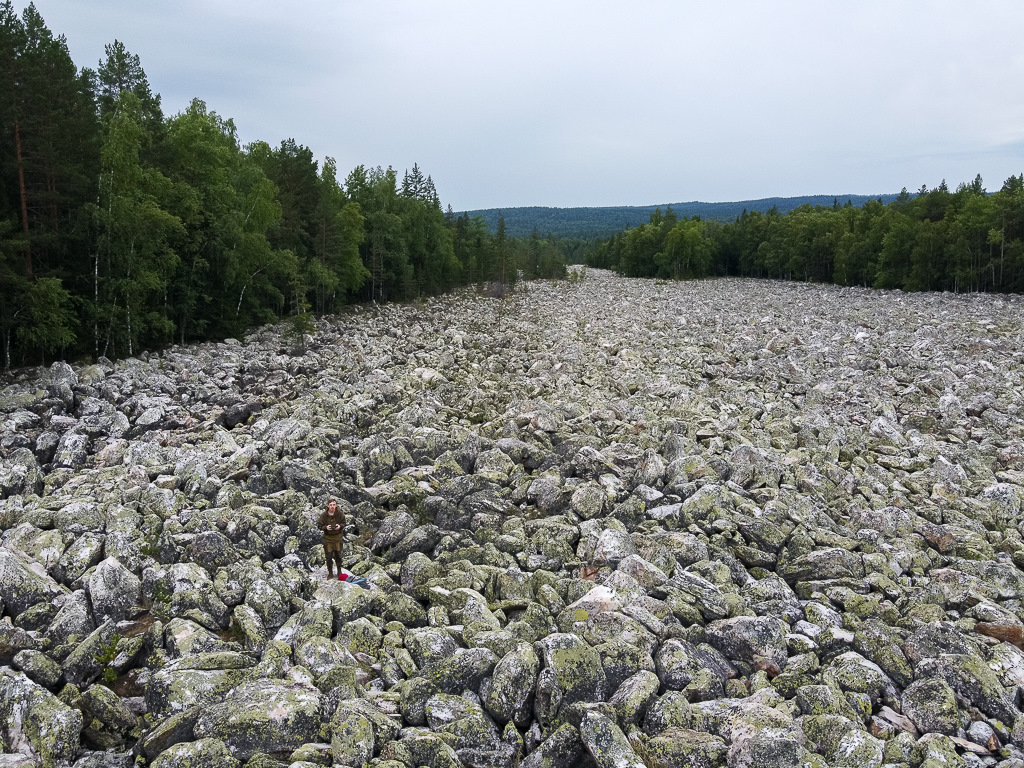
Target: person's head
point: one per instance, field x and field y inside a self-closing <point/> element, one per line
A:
<point x="332" y="507"/>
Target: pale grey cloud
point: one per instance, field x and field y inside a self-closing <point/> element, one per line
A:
<point x="597" y="103"/>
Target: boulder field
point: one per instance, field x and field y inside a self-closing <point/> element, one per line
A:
<point x="605" y="522"/>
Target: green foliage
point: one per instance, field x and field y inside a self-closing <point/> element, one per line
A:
<point x="105" y="658"/>
<point x="122" y="229"/>
<point x="965" y="240"/>
<point x="48" y="316"/>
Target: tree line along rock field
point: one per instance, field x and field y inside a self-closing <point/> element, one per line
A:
<point x="606" y="522"/>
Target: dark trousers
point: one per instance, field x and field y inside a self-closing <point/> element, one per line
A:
<point x="333" y="556"/>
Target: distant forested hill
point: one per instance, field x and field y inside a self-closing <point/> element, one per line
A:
<point x="602" y="222"/>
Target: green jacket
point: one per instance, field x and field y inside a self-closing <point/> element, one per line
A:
<point x="338" y="519"/>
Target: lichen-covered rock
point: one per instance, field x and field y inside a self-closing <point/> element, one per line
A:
<point x="668" y="712"/>
<point x="202" y="753"/>
<point x="465" y="720"/>
<point x="571" y="673"/>
<point x="934" y="750"/>
<point x="683" y="748"/>
<point x="14" y="641"/>
<point x="426" y="748"/>
<point x="877" y="642"/>
<point x="634" y="696"/>
<point x="973" y="680"/>
<point x="253" y="635"/>
<point x="756" y="640"/>
<point x="513" y="682"/>
<point x="931" y="704"/>
<point x="267" y="603"/>
<point x="754" y="747"/>
<point x="262" y="715"/>
<point x="173" y="689"/>
<point x="38" y="667"/>
<point x="184" y="637"/>
<point x="113" y="590"/>
<point x="429" y="644"/>
<point x="83" y="665"/>
<point x="562" y="749"/>
<point x="24" y="583"/>
<point x="320" y="655"/>
<point x="211" y="550"/>
<point x="830" y="563"/>
<point x="856" y="749"/>
<point x="35" y="722"/>
<point x="352" y="738"/>
<point x="79" y="556"/>
<point x="622" y="660"/>
<point x="606" y="744"/>
<point x="852" y="672"/>
<point x="170" y="730"/>
<point x="611" y="547"/>
<point x="20" y="474"/>
<point x="465" y="668"/>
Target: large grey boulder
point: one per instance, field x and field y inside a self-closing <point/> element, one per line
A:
<point x="83" y="665"/>
<point x="513" y="682"/>
<point x="684" y="748"/>
<point x="113" y="590"/>
<point x="466" y="721"/>
<point x="931" y="704"/>
<point x="759" y="641"/>
<point x="571" y="673"/>
<point x="193" y="681"/>
<point x="20" y="474"/>
<point x="263" y="715"/>
<point x="36" y="723"/>
<point x="562" y="749"/>
<point x="24" y="582"/>
<point x="202" y="753"/>
<point x="606" y="743"/>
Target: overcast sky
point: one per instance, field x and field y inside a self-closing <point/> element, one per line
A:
<point x="573" y="103"/>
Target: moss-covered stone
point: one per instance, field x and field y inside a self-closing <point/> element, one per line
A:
<point x="352" y="738"/>
<point x="399" y="606"/>
<point x="171" y="690"/>
<point x="202" y="753"/>
<point x="562" y="749"/>
<point x="857" y="749"/>
<point x="24" y="583"/>
<point x="513" y="683"/>
<point x="463" y="719"/>
<point x="168" y="731"/>
<point x="33" y="720"/>
<point x="824" y="700"/>
<point x="678" y="747"/>
<point x="879" y="643"/>
<point x="263" y="715"/>
<point x="413" y="702"/>
<point x="972" y="680"/>
<point x="823" y="733"/>
<point x="931" y="705"/>
<point x="318" y="754"/>
<point x="465" y="668"/>
<point x="633" y="697"/>
<point x="935" y="750"/>
<point x="572" y="672"/>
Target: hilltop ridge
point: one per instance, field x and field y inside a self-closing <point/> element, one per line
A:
<point x="602" y="221"/>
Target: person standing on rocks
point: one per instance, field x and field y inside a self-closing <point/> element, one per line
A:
<point x="332" y="524"/>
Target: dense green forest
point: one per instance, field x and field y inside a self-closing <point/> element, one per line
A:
<point x="935" y="240"/>
<point x="589" y="223"/>
<point x="123" y="229"/>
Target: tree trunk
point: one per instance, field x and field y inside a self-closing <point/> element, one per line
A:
<point x="24" y="200"/>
